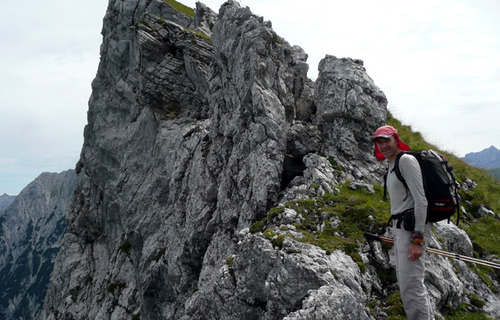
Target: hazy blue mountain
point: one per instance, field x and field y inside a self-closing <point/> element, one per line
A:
<point x="31" y="231"/>
<point x="5" y="200"/>
<point x="488" y="158"/>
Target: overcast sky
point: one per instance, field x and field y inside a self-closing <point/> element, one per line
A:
<point x="437" y="61"/>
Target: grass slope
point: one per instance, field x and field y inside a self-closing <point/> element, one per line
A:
<point x="495" y="173"/>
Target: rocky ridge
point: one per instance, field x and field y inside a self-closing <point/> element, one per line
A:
<point x="198" y="125"/>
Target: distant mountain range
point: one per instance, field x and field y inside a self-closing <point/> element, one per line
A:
<point x="5" y="200"/>
<point x="488" y="159"/>
<point x="32" y="225"/>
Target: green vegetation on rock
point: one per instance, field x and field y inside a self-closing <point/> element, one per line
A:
<point x="181" y="8"/>
<point x="355" y="210"/>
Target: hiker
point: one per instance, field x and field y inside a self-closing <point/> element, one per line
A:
<point x="406" y="205"/>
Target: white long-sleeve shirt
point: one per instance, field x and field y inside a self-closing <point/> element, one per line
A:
<point x="415" y="198"/>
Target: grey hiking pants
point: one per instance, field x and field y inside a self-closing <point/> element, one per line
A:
<point x="411" y="278"/>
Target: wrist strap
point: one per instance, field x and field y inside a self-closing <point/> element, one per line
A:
<point x="417" y="237"/>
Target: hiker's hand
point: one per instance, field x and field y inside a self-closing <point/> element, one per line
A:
<point x="415" y="251"/>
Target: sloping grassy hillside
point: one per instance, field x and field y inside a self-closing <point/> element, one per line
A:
<point x="495" y="173"/>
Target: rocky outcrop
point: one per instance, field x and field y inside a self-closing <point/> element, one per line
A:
<point x="198" y="125"/>
<point x="31" y="231"/>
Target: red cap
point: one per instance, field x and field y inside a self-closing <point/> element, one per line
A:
<point x="387" y="132"/>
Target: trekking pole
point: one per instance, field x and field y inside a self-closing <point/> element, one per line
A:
<point x="371" y="236"/>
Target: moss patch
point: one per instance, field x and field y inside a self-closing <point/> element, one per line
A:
<point x="395" y="310"/>
<point x="200" y="35"/>
<point x="181" y="8"/>
<point x="257" y="226"/>
<point x="125" y="247"/>
<point x="230" y="261"/>
<point x="463" y="312"/>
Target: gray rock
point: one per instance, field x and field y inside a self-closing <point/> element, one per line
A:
<point x="350" y="107"/>
<point x="485" y="212"/>
<point x="469" y="184"/>
<point x="197" y="127"/>
<point x="357" y="186"/>
<point x="453" y="238"/>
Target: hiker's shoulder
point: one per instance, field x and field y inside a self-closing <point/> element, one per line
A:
<point x="407" y="158"/>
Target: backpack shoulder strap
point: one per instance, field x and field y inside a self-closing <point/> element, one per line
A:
<point x="398" y="175"/>
<point x="397" y="171"/>
<point x="385" y="185"/>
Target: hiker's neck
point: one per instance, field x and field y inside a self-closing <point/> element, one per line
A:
<point x="394" y="156"/>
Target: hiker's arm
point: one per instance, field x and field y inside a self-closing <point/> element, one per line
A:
<point x="410" y="170"/>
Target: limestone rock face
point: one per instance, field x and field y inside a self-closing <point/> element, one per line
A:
<point x="198" y="125"/>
